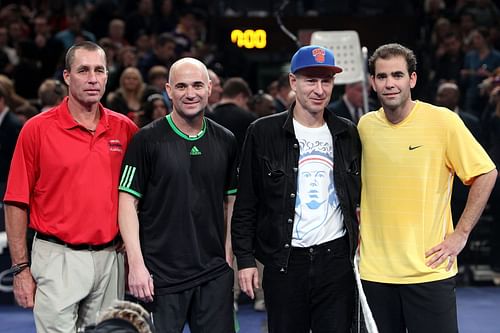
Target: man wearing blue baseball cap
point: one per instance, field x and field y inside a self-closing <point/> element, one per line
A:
<point x="299" y="184"/>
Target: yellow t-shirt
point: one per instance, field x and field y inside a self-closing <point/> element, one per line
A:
<point x="407" y="176"/>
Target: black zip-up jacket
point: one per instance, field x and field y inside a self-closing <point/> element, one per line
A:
<point x="264" y="211"/>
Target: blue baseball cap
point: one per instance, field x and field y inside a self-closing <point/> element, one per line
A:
<point x="313" y="56"/>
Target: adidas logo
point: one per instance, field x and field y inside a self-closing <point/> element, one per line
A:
<point x="195" y="151"/>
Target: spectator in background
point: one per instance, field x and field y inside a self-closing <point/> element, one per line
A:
<point x="186" y="31"/>
<point x="485" y="12"/>
<point x="467" y="23"/>
<point x="49" y="50"/>
<point x="140" y="20"/>
<point x="217" y="90"/>
<point x="232" y="110"/>
<point x="272" y="88"/>
<point x="448" y="95"/>
<point x="127" y="99"/>
<point x="14" y="100"/>
<point x="143" y="44"/>
<point x="448" y="65"/>
<point x="281" y="100"/>
<point x="157" y="78"/>
<point x="9" y="57"/>
<point x="18" y="31"/>
<point x="166" y="19"/>
<point x="350" y="106"/>
<point x="126" y="57"/>
<point x="116" y="33"/>
<point x="27" y="74"/>
<point x="69" y="36"/>
<point x="163" y="54"/>
<point x="10" y="126"/>
<point x="493" y="134"/>
<point x="50" y="94"/>
<point x="153" y="108"/>
<point x="25" y="112"/>
<point x="480" y="62"/>
<point x="261" y="104"/>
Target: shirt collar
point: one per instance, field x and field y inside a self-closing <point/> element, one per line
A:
<point x="68" y="122"/>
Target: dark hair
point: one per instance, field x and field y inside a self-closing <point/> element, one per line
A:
<point x="70" y="55"/>
<point x="483" y="31"/>
<point x="157" y="71"/>
<point x="26" y="110"/>
<point x="283" y="82"/>
<point x="164" y="38"/>
<point x="235" y="86"/>
<point x="392" y="50"/>
<point x="51" y="92"/>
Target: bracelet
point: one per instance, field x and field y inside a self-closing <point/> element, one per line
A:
<point x="18" y="268"/>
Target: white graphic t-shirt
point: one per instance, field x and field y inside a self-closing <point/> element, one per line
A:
<point x="318" y="217"/>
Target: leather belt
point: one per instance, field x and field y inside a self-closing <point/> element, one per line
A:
<point x="77" y="247"/>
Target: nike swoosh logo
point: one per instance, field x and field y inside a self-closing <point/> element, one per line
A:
<point x="414" y="147"/>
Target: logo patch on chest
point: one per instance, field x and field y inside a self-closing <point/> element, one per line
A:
<point x="115" y="145"/>
<point x="195" y="151"/>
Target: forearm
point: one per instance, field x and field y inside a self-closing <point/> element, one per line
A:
<point x="16" y="224"/>
<point x="128" y="221"/>
<point x="476" y="201"/>
<point x="229" y="206"/>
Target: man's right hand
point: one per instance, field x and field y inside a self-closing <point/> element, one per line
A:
<point x="140" y="283"/>
<point x="249" y="279"/>
<point x="24" y="289"/>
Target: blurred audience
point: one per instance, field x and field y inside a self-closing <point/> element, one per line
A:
<point x="154" y="108"/>
<point x="127" y="99"/>
<point x="50" y="94"/>
<point x="261" y="104"/>
<point x="282" y="99"/>
<point x="232" y="110"/>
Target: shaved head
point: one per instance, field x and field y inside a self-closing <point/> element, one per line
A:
<point x="179" y="64"/>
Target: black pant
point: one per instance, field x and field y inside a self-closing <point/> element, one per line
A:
<point x="207" y="308"/>
<point x="421" y="308"/>
<point x="316" y="292"/>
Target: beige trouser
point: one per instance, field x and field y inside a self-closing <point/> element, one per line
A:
<point x="73" y="286"/>
<point x="259" y="293"/>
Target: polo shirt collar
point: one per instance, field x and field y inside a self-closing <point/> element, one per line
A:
<point x="67" y="121"/>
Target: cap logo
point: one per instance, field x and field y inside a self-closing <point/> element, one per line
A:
<point x="319" y="55"/>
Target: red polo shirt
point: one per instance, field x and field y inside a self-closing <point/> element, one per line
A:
<point x="69" y="176"/>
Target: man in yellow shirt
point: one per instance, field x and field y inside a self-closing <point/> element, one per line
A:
<point x="411" y="152"/>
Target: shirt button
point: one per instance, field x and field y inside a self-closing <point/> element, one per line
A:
<point x="292" y="195"/>
<point x="295" y="170"/>
<point x="287" y="246"/>
<point x="290" y="221"/>
<point x="295" y="146"/>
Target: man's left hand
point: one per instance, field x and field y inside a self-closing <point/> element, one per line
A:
<point x="448" y="249"/>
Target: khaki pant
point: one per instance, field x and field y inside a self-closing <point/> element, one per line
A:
<point x="73" y="287"/>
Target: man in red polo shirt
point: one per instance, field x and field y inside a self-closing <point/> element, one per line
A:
<point x="65" y="169"/>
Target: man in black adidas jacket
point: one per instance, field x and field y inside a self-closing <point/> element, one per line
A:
<point x="299" y="185"/>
